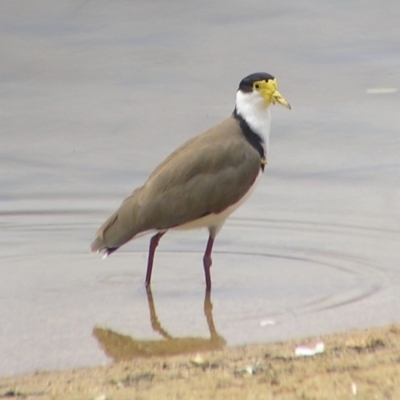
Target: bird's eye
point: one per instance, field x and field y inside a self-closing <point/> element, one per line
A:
<point x="257" y="86"/>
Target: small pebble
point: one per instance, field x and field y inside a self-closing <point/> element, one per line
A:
<point x="249" y="369"/>
<point x="354" y="388"/>
<point x="199" y="361"/>
<point x="303" y="351"/>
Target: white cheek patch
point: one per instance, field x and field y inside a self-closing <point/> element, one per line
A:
<point x="252" y="107"/>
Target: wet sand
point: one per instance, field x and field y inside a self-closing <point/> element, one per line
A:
<point x="358" y="364"/>
<point x="94" y="94"/>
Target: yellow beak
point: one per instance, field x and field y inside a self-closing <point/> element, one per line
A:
<point x="277" y="97"/>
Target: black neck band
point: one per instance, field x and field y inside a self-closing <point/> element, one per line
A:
<point x="252" y="137"/>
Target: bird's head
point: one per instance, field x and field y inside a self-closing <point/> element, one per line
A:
<point x="261" y="89"/>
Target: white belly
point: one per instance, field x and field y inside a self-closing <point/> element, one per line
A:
<point x="217" y="220"/>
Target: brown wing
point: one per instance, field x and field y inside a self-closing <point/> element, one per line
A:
<point x="206" y="175"/>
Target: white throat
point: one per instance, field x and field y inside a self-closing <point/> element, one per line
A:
<point x="252" y="108"/>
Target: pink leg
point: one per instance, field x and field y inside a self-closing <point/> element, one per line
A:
<point x="207" y="261"/>
<point x="152" y="249"/>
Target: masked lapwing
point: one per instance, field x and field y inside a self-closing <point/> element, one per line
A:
<point x="203" y="181"/>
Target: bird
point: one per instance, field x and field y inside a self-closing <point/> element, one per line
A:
<point x="203" y="181"/>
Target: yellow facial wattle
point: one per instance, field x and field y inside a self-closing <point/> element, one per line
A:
<point x="269" y="92"/>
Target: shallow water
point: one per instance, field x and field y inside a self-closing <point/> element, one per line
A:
<point x="95" y="94"/>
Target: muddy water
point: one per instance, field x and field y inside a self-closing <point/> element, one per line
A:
<point x="95" y="94"/>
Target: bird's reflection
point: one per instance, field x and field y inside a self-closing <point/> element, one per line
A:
<point x="123" y="348"/>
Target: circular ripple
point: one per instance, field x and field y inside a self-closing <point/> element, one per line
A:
<point x="327" y="259"/>
<point x="313" y="282"/>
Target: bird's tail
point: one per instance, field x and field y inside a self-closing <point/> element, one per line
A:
<point x="119" y="228"/>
